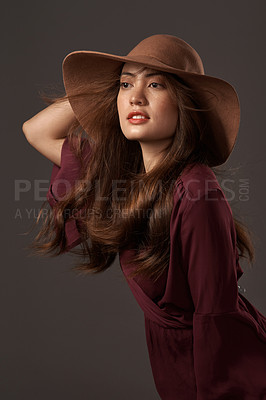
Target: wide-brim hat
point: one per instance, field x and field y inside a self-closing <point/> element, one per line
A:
<point x="169" y="54"/>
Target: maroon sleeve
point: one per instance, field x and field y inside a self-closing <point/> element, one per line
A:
<point x="209" y="253"/>
<point x="62" y="179"/>
<point x="229" y="341"/>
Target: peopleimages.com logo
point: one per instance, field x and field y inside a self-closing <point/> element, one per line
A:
<point x="234" y="190"/>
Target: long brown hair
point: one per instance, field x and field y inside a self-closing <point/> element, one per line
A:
<point x="139" y="218"/>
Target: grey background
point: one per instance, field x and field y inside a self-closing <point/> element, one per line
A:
<point x="64" y="337"/>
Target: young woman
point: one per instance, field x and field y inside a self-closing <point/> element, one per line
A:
<point x="134" y="143"/>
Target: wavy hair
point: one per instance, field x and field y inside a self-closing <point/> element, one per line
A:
<point x="137" y="215"/>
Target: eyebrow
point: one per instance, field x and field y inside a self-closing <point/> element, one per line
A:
<point x="146" y="76"/>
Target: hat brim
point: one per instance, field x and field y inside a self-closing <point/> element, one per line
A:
<point x="214" y="94"/>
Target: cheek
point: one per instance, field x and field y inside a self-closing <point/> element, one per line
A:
<point x="170" y="113"/>
<point x="120" y="106"/>
<point x="173" y="117"/>
<point x="121" y="111"/>
<point x="118" y="103"/>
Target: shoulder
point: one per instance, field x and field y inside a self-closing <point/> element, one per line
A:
<point x="197" y="186"/>
<point x="195" y="181"/>
<point x="198" y="179"/>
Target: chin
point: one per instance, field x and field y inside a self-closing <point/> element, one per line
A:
<point x="134" y="137"/>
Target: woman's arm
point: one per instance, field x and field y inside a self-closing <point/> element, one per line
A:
<point x="46" y="131"/>
<point x="229" y="337"/>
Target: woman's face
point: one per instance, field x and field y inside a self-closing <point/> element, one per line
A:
<point x="145" y="93"/>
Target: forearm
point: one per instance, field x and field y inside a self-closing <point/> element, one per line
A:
<point x="49" y="124"/>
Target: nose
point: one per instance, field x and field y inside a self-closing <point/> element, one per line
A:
<point x="137" y="96"/>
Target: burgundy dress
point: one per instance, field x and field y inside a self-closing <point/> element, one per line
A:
<point x="206" y="341"/>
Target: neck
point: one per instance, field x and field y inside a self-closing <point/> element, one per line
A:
<point x="152" y="152"/>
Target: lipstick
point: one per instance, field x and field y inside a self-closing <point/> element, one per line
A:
<point x="137" y="117"/>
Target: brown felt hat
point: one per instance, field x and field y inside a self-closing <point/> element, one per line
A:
<point x="170" y="54"/>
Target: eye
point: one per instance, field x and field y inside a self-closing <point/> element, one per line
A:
<point x="156" y="83"/>
<point x="124" y="83"/>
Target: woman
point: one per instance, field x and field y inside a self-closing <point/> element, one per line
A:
<point x="141" y="183"/>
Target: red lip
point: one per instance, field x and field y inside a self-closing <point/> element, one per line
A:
<point x="130" y="115"/>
